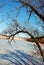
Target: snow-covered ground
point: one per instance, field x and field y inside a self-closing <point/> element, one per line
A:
<point x="19" y="53"/>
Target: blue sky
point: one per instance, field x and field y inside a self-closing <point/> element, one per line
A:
<point x="7" y="10"/>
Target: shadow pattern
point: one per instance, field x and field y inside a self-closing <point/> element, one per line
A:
<point x="19" y="58"/>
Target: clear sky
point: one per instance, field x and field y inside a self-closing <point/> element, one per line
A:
<point x="8" y="10"/>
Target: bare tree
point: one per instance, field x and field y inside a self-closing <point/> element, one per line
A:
<point x="15" y="27"/>
<point x="18" y="29"/>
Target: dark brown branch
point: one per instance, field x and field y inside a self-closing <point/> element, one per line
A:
<point x="34" y="10"/>
<point x="35" y="40"/>
<point x="32" y="39"/>
<point x="40" y="39"/>
<point x="4" y="35"/>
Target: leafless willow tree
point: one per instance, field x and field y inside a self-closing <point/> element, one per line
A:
<point x="32" y="7"/>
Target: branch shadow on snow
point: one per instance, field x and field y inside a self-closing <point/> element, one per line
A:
<point x="19" y="58"/>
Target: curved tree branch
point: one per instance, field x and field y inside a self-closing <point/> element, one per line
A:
<point x="32" y="39"/>
<point x="34" y="10"/>
<point x="40" y="39"/>
<point x="35" y="40"/>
